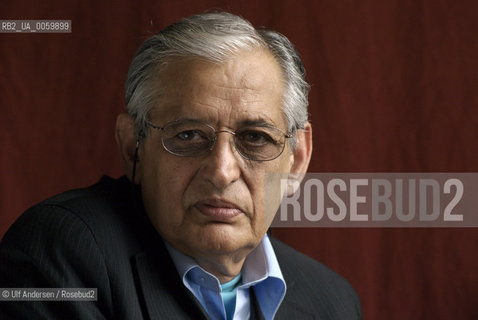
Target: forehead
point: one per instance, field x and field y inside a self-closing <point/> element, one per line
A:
<point x="247" y="87"/>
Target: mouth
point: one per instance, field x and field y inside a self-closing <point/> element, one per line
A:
<point x="218" y="210"/>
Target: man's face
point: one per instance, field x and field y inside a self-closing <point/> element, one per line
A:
<point x="213" y="204"/>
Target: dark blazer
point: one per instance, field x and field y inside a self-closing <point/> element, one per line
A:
<point x="100" y="237"/>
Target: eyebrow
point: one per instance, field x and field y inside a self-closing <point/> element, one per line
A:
<point x="256" y="123"/>
<point x="260" y="122"/>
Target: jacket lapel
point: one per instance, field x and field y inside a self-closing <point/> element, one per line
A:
<point x="287" y="310"/>
<point x="256" y="313"/>
<point x="163" y="294"/>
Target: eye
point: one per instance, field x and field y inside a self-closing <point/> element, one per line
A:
<point x="255" y="137"/>
<point x="190" y="135"/>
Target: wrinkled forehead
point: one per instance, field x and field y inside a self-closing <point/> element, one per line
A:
<point x="247" y="87"/>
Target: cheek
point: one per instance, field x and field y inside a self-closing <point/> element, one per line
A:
<point x="256" y="186"/>
<point x="271" y="191"/>
<point x="163" y="184"/>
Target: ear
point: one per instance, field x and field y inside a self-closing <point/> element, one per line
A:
<point x="300" y="157"/>
<point x="126" y="139"/>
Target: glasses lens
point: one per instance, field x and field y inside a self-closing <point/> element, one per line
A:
<point x="187" y="138"/>
<point x="259" y="143"/>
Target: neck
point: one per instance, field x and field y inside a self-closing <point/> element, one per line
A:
<point x="225" y="268"/>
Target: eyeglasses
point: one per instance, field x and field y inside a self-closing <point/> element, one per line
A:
<point x="191" y="138"/>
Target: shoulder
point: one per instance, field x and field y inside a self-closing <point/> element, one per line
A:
<point x="70" y="214"/>
<point x="98" y="210"/>
<point x="55" y="244"/>
<point x="297" y="264"/>
<point x="82" y="238"/>
<point x="315" y="288"/>
<point x="107" y="216"/>
<point x="73" y="222"/>
<point x="108" y="196"/>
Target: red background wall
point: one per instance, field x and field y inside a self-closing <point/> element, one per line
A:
<point x="394" y="89"/>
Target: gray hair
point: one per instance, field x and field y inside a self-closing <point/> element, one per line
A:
<point x="214" y="36"/>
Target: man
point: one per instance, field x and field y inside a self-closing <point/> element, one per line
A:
<point x="213" y="105"/>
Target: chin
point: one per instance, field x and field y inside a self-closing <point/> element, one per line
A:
<point x="222" y="239"/>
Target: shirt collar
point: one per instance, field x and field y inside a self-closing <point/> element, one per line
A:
<point x="261" y="270"/>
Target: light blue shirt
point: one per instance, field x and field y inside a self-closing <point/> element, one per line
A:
<point x="228" y="294"/>
<point x="260" y="270"/>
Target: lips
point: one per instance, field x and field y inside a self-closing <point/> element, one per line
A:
<point x="218" y="210"/>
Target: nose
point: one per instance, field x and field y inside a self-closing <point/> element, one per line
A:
<point x="221" y="167"/>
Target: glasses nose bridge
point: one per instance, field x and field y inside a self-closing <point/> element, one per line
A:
<point x="225" y="131"/>
<point x="216" y="135"/>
